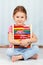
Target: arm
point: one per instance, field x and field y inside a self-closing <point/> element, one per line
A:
<point x="26" y="42"/>
<point x="11" y="36"/>
<point x="33" y="39"/>
<point x="11" y="39"/>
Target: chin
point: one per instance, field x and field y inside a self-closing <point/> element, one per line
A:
<point x="20" y="24"/>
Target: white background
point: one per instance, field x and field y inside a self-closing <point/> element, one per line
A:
<point x="35" y="17"/>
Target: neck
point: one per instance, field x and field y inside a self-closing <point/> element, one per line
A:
<point x="20" y="25"/>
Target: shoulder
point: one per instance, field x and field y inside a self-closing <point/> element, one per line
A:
<point x="10" y="28"/>
<point x="29" y="25"/>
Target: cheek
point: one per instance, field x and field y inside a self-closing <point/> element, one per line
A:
<point x="15" y="19"/>
<point x="24" y="19"/>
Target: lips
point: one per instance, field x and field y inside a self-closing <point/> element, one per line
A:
<point x="20" y="22"/>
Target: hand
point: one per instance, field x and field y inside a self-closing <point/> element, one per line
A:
<point x="25" y="42"/>
<point x="17" y="42"/>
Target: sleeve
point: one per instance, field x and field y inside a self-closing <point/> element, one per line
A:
<point x="10" y="29"/>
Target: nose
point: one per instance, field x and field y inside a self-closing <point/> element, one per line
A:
<point x="20" y="19"/>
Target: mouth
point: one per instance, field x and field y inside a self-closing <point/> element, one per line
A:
<point x="19" y="22"/>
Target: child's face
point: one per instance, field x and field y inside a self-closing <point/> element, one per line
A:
<point x="19" y="18"/>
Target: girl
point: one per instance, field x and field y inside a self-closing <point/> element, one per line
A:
<point x="25" y="50"/>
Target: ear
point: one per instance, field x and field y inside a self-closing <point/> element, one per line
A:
<point x="26" y="17"/>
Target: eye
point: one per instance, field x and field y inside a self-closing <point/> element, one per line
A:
<point x="17" y="16"/>
<point x="22" y="17"/>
